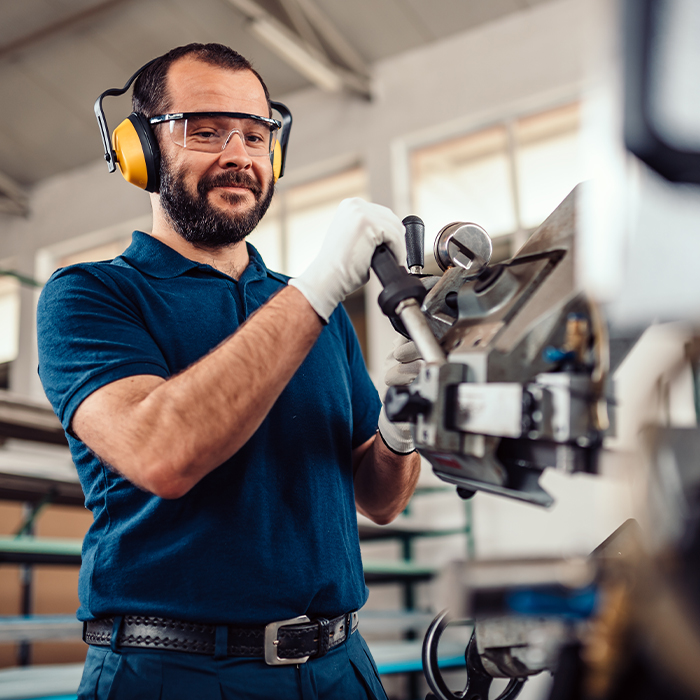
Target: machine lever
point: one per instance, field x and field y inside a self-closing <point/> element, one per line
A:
<point x="402" y="296"/>
<point x="415" y="244"/>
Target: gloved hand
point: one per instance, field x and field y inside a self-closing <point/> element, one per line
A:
<point x="343" y="264"/>
<point x="401" y="367"/>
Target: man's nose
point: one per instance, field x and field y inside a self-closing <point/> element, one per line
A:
<point x="234" y="153"/>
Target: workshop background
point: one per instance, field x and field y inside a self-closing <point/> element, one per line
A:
<point x="470" y="110"/>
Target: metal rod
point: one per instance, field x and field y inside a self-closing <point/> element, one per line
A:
<point x="414" y="321"/>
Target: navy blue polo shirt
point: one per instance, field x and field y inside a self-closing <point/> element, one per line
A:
<point x="269" y="534"/>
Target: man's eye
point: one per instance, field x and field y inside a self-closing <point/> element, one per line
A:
<point x="204" y="134"/>
<point x="255" y="138"/>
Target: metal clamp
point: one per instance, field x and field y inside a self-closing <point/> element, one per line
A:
<point x="272" y="642"/>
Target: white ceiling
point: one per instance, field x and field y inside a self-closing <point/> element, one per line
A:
<point x="57" y="56"/>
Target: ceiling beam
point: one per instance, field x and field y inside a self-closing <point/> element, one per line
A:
<point x="330" y="34"/>
<point x="13" y="198"/>
<point x="55" y="28"/>
<point x="299" y="54"/>
<point x="301" y="24"/>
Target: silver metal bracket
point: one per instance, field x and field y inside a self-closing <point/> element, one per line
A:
<point x="272" y="642"/>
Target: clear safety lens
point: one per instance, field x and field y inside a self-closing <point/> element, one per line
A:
<point x="213" y="134"/>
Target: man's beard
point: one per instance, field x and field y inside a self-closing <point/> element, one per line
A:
<point x="197" y="221"/>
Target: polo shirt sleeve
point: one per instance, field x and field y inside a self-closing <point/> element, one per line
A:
<point x="90" y="333"/>
<point x="366" y="403"/>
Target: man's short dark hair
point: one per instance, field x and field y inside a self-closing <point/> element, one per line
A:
<point x="150" y="96"/>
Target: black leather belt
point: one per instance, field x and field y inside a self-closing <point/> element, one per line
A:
<point x="292" y="641"/>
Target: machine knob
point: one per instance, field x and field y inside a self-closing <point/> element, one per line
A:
<point x="463" y="245"/>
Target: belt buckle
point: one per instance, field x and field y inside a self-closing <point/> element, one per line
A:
<point x="271" y="642"/>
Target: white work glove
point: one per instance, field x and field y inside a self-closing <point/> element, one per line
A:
<point x="402" y="366"/>
<point x="343" y="264"/>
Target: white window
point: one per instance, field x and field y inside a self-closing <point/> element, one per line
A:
<point x="465" y="179"/>
<point x="507" y="177"/>
<point x="548" y="162"/>
<point x="9" y="317"/>
<point x="290" y="235"/>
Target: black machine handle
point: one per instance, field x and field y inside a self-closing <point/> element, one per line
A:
<point x="402" y="296"/>
<point x="398" y="284"/>
<point x="386" y="267"/>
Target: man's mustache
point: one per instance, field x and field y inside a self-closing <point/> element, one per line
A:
<point x="230" y="180"/>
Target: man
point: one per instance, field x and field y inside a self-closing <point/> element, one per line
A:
<point x="222" y="422"/>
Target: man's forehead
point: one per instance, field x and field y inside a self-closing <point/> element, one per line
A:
<point x="194" y="86"/>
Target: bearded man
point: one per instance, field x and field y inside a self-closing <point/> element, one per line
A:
<point x="222" y="421"/>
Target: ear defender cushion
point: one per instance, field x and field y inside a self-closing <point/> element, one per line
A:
<point x="276" y="160"/>
<point x="137" y="152"/>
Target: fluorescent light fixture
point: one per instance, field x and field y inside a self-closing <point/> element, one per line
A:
<point x="303" y="58"/>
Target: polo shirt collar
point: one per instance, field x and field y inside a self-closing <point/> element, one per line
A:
<point x="156" y="259"/>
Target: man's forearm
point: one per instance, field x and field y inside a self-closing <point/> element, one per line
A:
<point x="385" y="481"/>
<point x="176" y="431"/>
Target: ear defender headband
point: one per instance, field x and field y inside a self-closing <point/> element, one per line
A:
<point x="133" y="146"/>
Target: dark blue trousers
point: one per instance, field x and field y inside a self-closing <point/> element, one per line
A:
<point x="348" y="672"/>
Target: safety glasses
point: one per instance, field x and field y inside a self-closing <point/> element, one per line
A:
<point x="211" y="132"/>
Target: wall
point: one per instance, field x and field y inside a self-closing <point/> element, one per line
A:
<point x="529" y="60"/>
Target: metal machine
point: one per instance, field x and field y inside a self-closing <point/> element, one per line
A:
<point x="517" y="362"/>
<point x="515" y="381"/>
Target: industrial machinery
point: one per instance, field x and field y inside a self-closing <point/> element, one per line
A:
<point x="518" y="379"/>
<point x="515" y="381"/>
<point x="517" y="361"/>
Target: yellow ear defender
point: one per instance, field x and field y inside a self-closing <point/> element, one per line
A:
<point x="137" y="153"/>
<point x="134" y="148"/>
<point x="276" y="160"/>
<point x="278" y="157"/>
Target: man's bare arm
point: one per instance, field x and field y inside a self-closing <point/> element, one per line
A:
<point x="384" y="480"/>
<point x="165" y="435"/>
